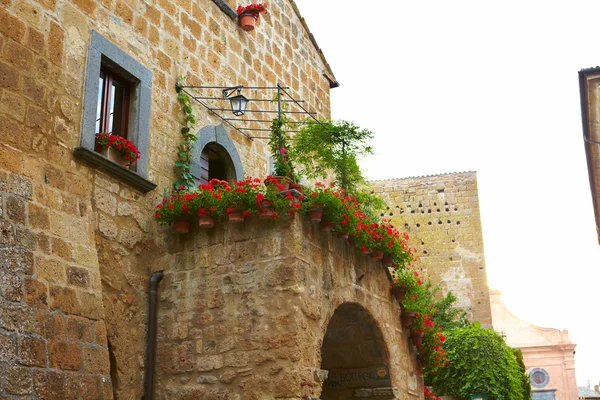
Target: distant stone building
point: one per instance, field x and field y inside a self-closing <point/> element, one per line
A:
<point x="548" y="354"/>
<point x="441" y="214"/>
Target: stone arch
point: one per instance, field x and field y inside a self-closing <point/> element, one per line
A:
<point x="356" y="356"/>
<point x="215" y="138"/>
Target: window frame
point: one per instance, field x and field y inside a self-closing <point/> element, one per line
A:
<point x="103" y="54"/>
<point x="109" y="79"/>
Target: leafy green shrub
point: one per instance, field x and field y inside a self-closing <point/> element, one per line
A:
<point x="479" y="362"/>
<point x="333" y="146"/>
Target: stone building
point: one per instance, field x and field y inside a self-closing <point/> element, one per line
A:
<point x="256" y="311"/>
<point x="441" y="214"/>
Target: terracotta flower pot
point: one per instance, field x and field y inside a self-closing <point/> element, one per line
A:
<point x="387" y="260"/>
<point x="315" y="213"/>
<point x="182" y="225"/>
<point x="236" y="215"/>
<point x="377" y="255"/>
<point x="247" y="21"/>
<point x="282" y="180"/>
<point x="399" y="292"/>
<point x="297" y="187"/>
<point x="205" y="222"/>
<point x="407" y="318"/>
<point x="327" y="226"/>
<point x="265" y="209"/>
<point x="417" y="338"/>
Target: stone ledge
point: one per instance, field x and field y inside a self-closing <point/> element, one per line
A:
<point x="114" y="169"/>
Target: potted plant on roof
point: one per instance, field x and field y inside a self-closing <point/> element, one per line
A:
<point x="117" y="148"/>
<point x="248" y="15"/>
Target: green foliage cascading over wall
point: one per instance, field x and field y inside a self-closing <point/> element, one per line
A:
<point x="480" y="362"/>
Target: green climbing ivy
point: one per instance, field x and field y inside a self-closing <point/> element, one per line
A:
<point x="479" y="362"/>
<point x="183" y="164"/>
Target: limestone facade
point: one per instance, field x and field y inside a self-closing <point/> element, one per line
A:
<point x="78" y="244"/>
<point x="441" y="215"/>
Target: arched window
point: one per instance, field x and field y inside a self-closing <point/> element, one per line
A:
<point x="215" y="156"/>
<point x="215" y="162"/>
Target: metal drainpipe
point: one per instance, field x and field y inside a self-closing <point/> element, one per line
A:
<point x="151" y="338"/>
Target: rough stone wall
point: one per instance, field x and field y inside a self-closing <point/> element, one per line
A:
<point x="77" y="243"/>
<point x="52" y="334"/>
<point x="441" y="214"/>
<point x="244" y="309"/>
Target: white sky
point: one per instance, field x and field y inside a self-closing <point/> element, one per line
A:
<point x="450" y="86"/>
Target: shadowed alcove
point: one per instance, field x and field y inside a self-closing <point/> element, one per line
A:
<point x="355" y="355"/>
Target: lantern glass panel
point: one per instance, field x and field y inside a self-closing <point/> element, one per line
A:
<point x="238" y="104"/>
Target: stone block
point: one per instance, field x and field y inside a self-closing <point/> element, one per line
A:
<point x="62" y="249"/>
<point x="12" y="286"/>
<point x="95" y="360"/>
<point x="50" y="325"/>
<point x="107" y="227"/>
<point x="78" y="277"/>
<point x="56" y="40"/>
<point x="100" y="336"/>
<point x="209" y="363"/>
<point x="13" y="106"/>
<point x="32" y="351"/>
<point x="237" y="359"/>
<point x="12" y="27"/>
<point x="130" y="237"/>
<point x="63" y="355"/>
<point x="19" y="185"/>
<point x="18" y="380"/>
<point x="38" y="217"/>
<point x="14" y="317"/>
<point x="91" y="306"/>
<point x="78" y="329"/>
<point x="64" y="299"/>
<point x="50" y="270"/>
<point x="15" y="210"/>
<point x="7" y="233"/>
<point x="50" y="385"/>
<point x="36" y="293"/>
<point x="8" y="349"/>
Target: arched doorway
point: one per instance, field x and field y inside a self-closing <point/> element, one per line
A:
<point x="355" y="355"/>
<point x="214" y="156"/>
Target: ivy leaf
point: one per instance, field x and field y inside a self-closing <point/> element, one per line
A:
<point x="180" y="163"/>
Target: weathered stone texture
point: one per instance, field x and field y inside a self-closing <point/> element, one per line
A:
<point x="441" y="215"/>
<point x="255" y="323"/>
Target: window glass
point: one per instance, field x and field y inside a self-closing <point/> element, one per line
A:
<point x="113" y="104"/>
<point x="99" y="108"/>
